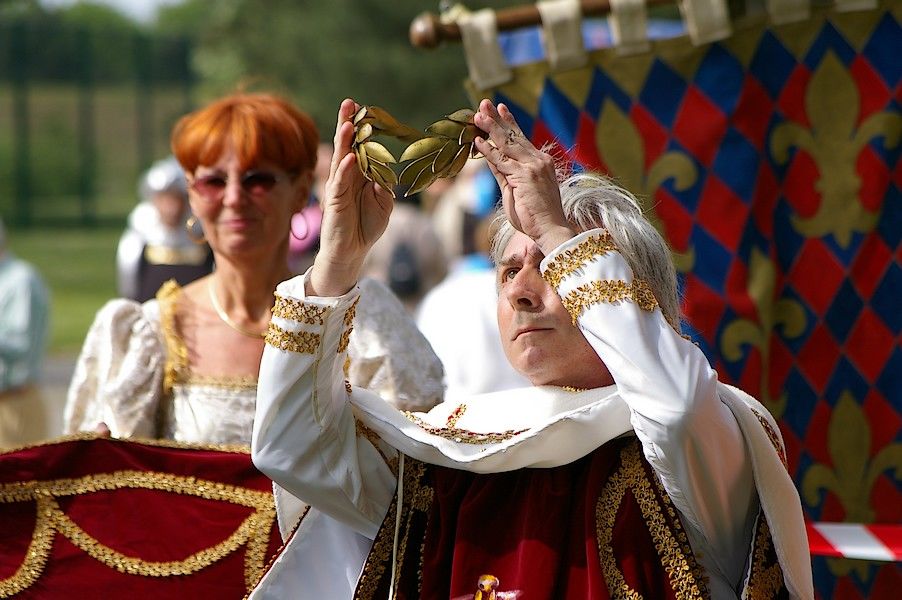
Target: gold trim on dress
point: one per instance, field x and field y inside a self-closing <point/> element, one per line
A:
<point x="570" y="261"/>
<point x="160" y="442"/>
<point x="298" y="310"/>
<point x="609" y="291"/>
<point x="253" y="532"/>
<point x="671" y="543"/>
<point x="176" y="367"/>
<point x="302" y="342"/>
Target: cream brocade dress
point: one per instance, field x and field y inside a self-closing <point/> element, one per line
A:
<point x="134" y="374"/>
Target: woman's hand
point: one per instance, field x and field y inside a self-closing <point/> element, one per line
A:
<point x="355" y="215"/>
<point x="526" y="176"/>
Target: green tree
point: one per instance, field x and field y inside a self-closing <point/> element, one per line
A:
<point x="321" y="52"/>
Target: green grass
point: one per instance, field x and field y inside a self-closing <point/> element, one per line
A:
<point x="79" y="268"/>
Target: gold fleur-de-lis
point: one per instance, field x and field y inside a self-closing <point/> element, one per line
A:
<point x="854" y="473"/>
<point x="623" y="150"/>
<point x="785" y="312"/>
<point x="832" y="103"/>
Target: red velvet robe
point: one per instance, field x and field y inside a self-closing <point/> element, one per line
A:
<point x="600" y="527"/>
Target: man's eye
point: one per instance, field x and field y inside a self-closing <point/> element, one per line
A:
<point x="509" y="274"/>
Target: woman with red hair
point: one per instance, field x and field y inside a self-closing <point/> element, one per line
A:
<point x="184" y="365"/>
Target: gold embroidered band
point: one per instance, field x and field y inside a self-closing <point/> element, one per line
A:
<point x="609" y="291"/>
<point x="296" y="310"/>
<point x="302" y="342"/>
<point x="464" y="436"/>
<point x="253" y="532"/>
<point x="571" y="260"/>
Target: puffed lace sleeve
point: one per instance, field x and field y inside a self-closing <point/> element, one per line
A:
<point x="389" y="355"/>
<point x="118" y="379"/>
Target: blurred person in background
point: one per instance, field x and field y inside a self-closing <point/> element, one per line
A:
<point x="409" y="257"/>
<point x="184" y="365"/>
<point x="305" y="225"/>
<point x="160" y="242"/>
<point x="24" y="325"/>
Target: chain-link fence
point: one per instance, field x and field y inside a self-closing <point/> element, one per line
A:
<point x="82" y="113"/>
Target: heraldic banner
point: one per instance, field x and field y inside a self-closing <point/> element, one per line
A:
<point x="88" y="517"/>
<point x="770" y="160"/>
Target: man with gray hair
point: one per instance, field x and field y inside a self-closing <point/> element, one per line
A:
<point x="626" y="470"/>
<point x="24" y="307"/>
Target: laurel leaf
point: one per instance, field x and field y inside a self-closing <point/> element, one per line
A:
<point x="412" y="170"/>
<point x="445" y="128"/>
<point x="423" y="181"/>
<point x="421" y="148"/>
<point x="377" y="151"/>
<point x="464" y="116"/>
<point x="384" y="174"/>
<point x="362" y="161"/>
<point x="460" y="159"/>
<point x="445" y="156"/>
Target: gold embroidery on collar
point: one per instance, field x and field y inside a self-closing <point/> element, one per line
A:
<point x="455" y="416"/>
<point x="253" y="532"/>
<point x="464" y="436"/>
<point x="609" y="291"/>
<point x="302" y="342"/>
<point x="671" y="542"/>
<point x="570" y="261"/>
<point x="298" y="310"/>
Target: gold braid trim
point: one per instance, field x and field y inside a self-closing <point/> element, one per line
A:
<point x="570" y="261"/>
<point x="609" y="291"/>
<point x="253" y="531"/>
<point x="764" y="581"/>
<point x="302" y="342"/>
<point x="373" y="438"/>
<point x="672" y="545"/>
<point x="176" y="368"/>
<point x="463" y="436"/>
<point x="297" y="310"/>
<point x="272" y="559"/>
<point x="772" y="436"/>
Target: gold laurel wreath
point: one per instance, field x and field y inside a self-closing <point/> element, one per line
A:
<point x="442" y="151"/>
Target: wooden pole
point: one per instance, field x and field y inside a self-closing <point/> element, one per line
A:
<point x="428" y="31"/>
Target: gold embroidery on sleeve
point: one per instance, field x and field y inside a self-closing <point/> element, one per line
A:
<point x="609" y="291"/>
<point x="253" y="532"/>
<point x="302" y="342"/>
<point x="297" y="310"/>
<point x="567" y="262"/>
<point x="345" y="338"/>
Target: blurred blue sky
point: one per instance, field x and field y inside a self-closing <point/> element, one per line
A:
<point x="140" y="10"/>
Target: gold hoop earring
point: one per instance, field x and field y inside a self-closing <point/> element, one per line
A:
<point x="192" y="235"/>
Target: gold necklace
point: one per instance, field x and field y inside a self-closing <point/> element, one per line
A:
<point x="224" y="316"/>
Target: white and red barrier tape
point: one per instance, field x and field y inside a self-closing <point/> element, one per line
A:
<point x="851" y="540"/>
